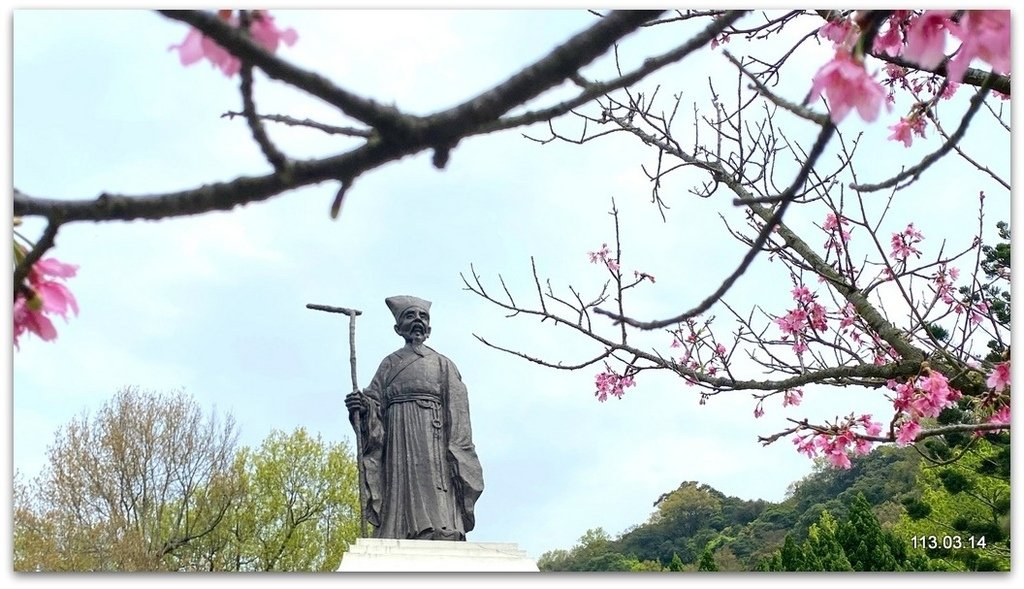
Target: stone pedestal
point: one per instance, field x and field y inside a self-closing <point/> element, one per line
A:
<point x="388" y="555"/>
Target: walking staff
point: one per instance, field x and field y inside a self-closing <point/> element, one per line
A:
<point x="356" y="423"/>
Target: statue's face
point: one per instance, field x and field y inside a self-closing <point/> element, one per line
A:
<point x="414" y="325"/>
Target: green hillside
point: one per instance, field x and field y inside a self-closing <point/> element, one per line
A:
<point x="891" y="511"/>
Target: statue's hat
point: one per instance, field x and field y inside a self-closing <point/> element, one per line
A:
<point x="398" y="304"/>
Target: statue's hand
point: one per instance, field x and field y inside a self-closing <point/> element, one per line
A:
<point x="356" y="401"/>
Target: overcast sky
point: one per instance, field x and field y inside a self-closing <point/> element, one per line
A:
<point x="215" y="304"/>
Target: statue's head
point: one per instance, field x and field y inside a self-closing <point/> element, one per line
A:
<point x="412" y="318"/>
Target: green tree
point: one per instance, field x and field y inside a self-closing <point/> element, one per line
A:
<point x="152" y="485"/>
<point x="707" y="561"/>
<point x="303" y="497"/>
<point x="127" y="489"/>
<point x="677" y="564"/>
<point x="595" y="551"/>
<point x="867" y="547"/>
<point x="962" y="506"/>
<point x="822" y="551"/>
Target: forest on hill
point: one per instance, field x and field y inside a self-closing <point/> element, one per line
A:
<point x="892" y="511"/>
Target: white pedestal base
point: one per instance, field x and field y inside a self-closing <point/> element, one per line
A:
<point x="388" y="555"/>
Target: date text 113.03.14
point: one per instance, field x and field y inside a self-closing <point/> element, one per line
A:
<point x="948" y="542"/>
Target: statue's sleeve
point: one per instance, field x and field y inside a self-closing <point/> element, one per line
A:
<point x="462" y="456"/>
<point x="372" y="438"/>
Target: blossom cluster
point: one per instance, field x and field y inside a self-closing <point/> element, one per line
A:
<point x="837" y="443"/>
<point x="44" y="294"/>
<point x="197" y="46"/>
<point x="916" y="38"/>
<point x="807" y="315"/>
<point x="608" y="382"/>
<point x="603" y="256"/>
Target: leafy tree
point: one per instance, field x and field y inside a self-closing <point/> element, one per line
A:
<point x="149" y="484"/>
<point x="707" y="561"/>
<point x="961" y="515"/>
<point x="127" y="489"/>
<point x="677" y="564"/>
<point x="822" y="551"/>
<point x="867" y="547"/>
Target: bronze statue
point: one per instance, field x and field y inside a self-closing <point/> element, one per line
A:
<point x="421" y="473"/>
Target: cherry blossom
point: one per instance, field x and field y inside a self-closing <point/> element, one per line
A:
<point x="603" y="256"/>
<point x="792" y="397"/>
<point x="1001" y="417"/>
<point x="43" y="295"/>
<point x="926" y="38"/>
<point x="984" y="34"/>
<point x="906" y="129"/>
<point x="1000" y="377"/>
<point x="891" y="41"/>
<point x="907" y="433"/>
<point x="842" y="32"/>
<point x="263" y="30"/>
<point x="847" y="85"/>
<point x="903" y="243"/>
<point x="610" y="383"/>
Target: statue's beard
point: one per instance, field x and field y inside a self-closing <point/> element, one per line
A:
<point x="416" y="333"/>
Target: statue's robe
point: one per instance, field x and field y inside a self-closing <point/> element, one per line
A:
<point x="422" y="476"/>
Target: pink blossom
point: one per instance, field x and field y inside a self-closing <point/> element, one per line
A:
<point x="1002" y="416"/>
<point x="805" y="445"/>
<point x="1000" y="377"/>
<point x="926" y="38"/>
<point x="903" y="243"/>
<point x="792" y="397"/>
<point x="48" y="296"/>
<point x="817" y="317"/>
<point x="720" y="350"/>
<point x="839" y="458"/>
<point x="908" y="433"/>
<point x="862" y="446"/>
<point x="263" y="30"/>
<point x="890" y="42"/>
<point x="610" y="383"/>
<point x="802" y="295"/>
<point x="984" y="34"/>
<point x="978" y="312"/>
<point x="758" y="410"/>
<point x="841" y="32"/>
<point x="871" y="428"/>
<point x="603" y="256"/>
<point x="905" y="129"/>
<point x="793" y="323"/>
<point x="834" y="225"/>
<point x="847" y="85"/>
<point x="27" y="319"/>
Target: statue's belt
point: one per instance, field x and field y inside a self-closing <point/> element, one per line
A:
<point x="433" y="399"/>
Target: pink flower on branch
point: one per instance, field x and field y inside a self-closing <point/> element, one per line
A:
<point x="926" y="38"/>
<point x="263" y="30"/>
<point x="999" y="379"/>
<point x="891" y="41"/>
<point x="46" y="295"/>
<point x="906" y="129"/>
<point x="1001" y="417"/>
<point x="984" y="34"/>
<point x="847" y="86"/>
<point x="903" y="243"/>
<point x="603" y="256"/>
<point x="908" y="433"/>
<point x="610" y="383"/>
<point x="842" y="32"/>
<point x="792" y="397"/>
